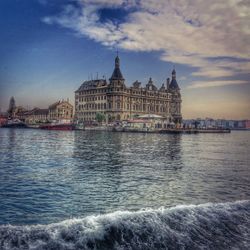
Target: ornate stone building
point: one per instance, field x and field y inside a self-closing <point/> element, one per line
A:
<point x="119" y="102"/>
<point x="61" y="110"/>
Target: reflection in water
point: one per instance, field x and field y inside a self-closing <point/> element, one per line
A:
<point x="47" y="176"/>
<point x="128" y="168"/>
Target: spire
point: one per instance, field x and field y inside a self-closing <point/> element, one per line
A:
<point x="12" y="106"/>
<point x="173" y="83"/>
<point x="117" y="75"/>
<point x="174" y="73"/>
<point x="117" y="61"/>
<point x="168" y="83"/>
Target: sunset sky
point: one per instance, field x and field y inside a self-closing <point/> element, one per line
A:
<point x="49" y="47"/>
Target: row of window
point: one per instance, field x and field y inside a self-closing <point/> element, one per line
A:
<point x="87" y="116"/>
<point x="61" y="115"/>
<point x="146" y="101"/>
<point x="135" y="107"/>
<point x="129" y="91"/>
<point x="92" y="98"/>
<point x="118" y="98"/>
<point x="99" y="106"/>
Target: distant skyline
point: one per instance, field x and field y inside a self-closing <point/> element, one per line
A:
<point x="48" y="48"/>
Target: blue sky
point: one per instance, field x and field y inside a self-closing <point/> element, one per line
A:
<point x="48" y="48"/>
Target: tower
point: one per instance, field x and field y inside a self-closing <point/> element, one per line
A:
<point x="115" y="95"/>
<point x="117" y="77"/>
<point x="175" y="103"/>
<point x="173" y="84"/>
<point x="12" y="107"/>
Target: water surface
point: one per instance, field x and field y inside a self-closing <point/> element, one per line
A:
<point x="104" y="190"/>
<point x="48" y="176"/>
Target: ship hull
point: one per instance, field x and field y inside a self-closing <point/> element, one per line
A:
<point x="19" y="125"/>
<point x="58" y="127"/>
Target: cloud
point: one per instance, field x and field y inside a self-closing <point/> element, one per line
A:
<point x="191" y="32"/>
<point x="209" y="84"/>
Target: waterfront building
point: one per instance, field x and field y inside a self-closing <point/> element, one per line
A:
<point x="36" y="116"/>
<point x="119" y="102"/>
<point x="13" y="110"/>
<point x="61" y="110"/>
<point x="209" y="123"/>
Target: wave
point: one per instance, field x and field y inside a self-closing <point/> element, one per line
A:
<point x="209" y="226"/>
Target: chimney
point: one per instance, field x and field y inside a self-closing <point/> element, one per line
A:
<point x="168" y="82"/>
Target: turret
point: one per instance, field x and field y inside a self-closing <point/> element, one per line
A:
<point x="173" y="84"/>
<point x="168" y="83"/>
<point x="117" y="75"/>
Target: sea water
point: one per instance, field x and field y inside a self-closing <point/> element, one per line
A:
<point x="104" y="190"/>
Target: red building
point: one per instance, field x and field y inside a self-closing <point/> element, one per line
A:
<point x="3" y="119"/>
<point x="247" y="124"/>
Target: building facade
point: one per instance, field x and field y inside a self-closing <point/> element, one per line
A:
<point x="35" y="116"/>
<point x="61" y="110"/>
<point x="118" y="102"/>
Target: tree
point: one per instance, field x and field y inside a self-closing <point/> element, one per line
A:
<point x="100" y="117"/>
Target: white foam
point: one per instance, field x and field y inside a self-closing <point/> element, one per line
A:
<point x="210" y="225"/>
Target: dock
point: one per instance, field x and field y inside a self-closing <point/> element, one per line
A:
<point x="193" y="131"/>
<point x="171" y="130"/>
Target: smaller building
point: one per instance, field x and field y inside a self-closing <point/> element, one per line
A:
<point x="137" y="125"/>
<point x="61" y="110"/>
<point x="3" y="118"/>
<point x="37" y="115"/>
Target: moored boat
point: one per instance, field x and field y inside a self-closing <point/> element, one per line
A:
<point x="59" y="125"/>
<point x="14" y="123"/>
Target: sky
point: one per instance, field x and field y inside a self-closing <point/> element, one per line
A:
<point x="49" y="47"/>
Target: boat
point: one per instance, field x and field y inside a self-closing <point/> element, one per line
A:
<point x="58" y="125"/>
<point x="79" y="126"/>
<point x="14" y="123"/>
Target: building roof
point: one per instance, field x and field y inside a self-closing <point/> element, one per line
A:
<point x="92" y="84"/>
<point x="54" y="105"/>
<point x="34" y="111"/>
<point x="162" y="87"/>
<point x="136" y="84"/>
<point x="150" y="85"/>
<point x="117" y="74"/>
<point x="174" y="84"/>
<point x="38" y="111"/>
